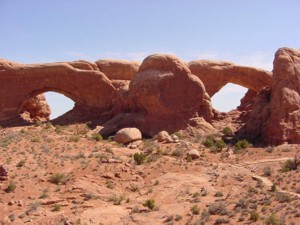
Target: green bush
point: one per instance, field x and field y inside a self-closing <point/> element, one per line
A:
<point x="241" y="144"/>
<point x="11" y="186"/>
<point x="209" y="142"/>
<point x="254" y="215"/>
<point x="218" y="208"/>
<point x="220" y="144"/>
<point x="195" y="209"/>
<point x="267" y="171"/>
<point x="150" y="203"/>
<point x="227" y="131"/>
<point x="291" y="164"/>
<point x="97" y="137"/>
<point x="56" y="207"/>
<point x="273" y="220"/>
<point x="139" y="158"/>
<point x="59" y="178"/>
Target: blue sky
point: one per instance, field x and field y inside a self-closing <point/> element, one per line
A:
<point x="247" y="32"/>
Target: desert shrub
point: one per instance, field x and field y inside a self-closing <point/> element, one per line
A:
<point x="291" y="164"/>
<point x="150" y="203"/>
<point x="36" y="139"/>
<point x="219" y="194"/>
<point x="58" y="129"/>
<point x="254" y="215"/>
<point x="269" y="149"/>
<point x="11" y="186"/>
<point x="97" y="137"/>
<point x="21" y="163"/>
<point x="267" y="171"/>
<point x="178" y="217"/>
<point x="59" y="178"/>
<point x="274" y="187"/>
<point x="240" y="145"/>
<point x="209" y="142"/>
<point x="283" y="197"/>
<point x="273" y="220"/>
<point x="242" y="203"/>
<point x="217" y="208"/>
<point x="117" y="200"/>
<point x="133" y="187"/>
<point x="33" y="207"/>
<point x="139" y="158"/>
<point x="89" y="124"/>
<point x="220" y="144"/>
<point x="56" y="207"/>
<point x="227" y="131"/>
<point x="195" y="209"/>
<point x="74" y="138"/>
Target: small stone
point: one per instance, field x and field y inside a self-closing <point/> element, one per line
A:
<point x="161" y="136"/>
<point x="194" y="153"/>
<point x="169" y="139"/>
<point x="175" y="137"/>
<point x="108" y="175"/>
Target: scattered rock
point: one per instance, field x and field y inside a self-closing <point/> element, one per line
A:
<point x="127" y="135"/>
<point x="108" y="175"/>
<point x="194" y="153"/>
<point x="3" y="173"/>
<point x="161" y="136"/>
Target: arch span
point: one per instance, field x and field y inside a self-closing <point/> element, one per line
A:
<point x="216" y="74"/>
<point x="85" y="85"/>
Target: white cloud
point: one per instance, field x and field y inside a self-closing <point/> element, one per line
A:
<point x="258" y="59"/>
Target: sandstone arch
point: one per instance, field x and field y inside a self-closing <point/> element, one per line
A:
<point x="81" y="83"/>
<point x="216" y="74"/>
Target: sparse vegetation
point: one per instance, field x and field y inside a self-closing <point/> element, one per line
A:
<point x="11" y="186"/>
<point x="59" y="178"/>
<point x="139" y="158"/>
<point x="241" y="145"/>
<point x="195" y="210"/>
<point x="150" y="203"/>
<point x="291" y="164"/>
<point x="227" y="131"/>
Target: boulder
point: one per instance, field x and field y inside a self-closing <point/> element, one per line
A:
<point x="127" y="135"/>
<point x="161" y="136"/>
<point x="194" y="154"/>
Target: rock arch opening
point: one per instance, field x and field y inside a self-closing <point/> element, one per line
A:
<point x="59" y="104"/>
<point x="228" y="98"/>
<point x="45" y="105"/>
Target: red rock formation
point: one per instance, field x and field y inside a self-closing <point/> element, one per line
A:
<point x="164" y="88"/>
<point x="275" y="117"/>
<point x="37" y="108"/>
<point x="283" y="124"/>
<point x="216" y="74"/>
<point x="118" y="69"/>
<point x="78" y="80"/>
<point x="160" y="94"/>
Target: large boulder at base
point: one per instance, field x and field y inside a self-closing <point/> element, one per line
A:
<point x="37" y="108"/>
<point x="164" y="88"/>
<point x="127" y="135"/>
<point x="118" y="69"/>
<point x="216" y="74"/>
<point x="275" y="117"/>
